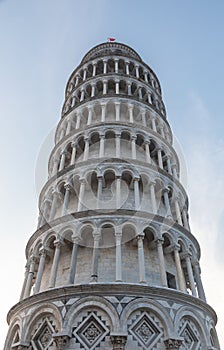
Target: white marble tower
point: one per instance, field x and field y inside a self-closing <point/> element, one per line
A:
<point x="113" y="263"/>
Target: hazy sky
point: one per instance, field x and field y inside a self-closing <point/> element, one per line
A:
<point x="41" y="42"/>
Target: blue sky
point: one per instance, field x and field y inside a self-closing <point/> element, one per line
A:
<point x="41" y="43"/>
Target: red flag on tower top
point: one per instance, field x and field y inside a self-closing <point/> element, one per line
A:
<point x="111" y="39"/>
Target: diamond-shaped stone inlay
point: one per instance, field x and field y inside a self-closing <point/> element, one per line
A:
<point x="190" y="338"/>
<point x="42" y="339"/>
<point x="91" y="332"/>
<point x="145" y="331"/>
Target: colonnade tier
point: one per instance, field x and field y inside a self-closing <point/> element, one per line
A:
<point x="144" y="252"/>
<point x="113" y="141"/>
<point x="108" y="85"/>
<point x="114" y="64"/>
<point x="108" y="110"/>
<point x="113" y="186"/>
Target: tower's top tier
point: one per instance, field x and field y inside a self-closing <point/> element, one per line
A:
<point x="112" y="70"/>
<point x="110" y="48"/>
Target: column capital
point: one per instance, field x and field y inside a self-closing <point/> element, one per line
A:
<point x="118" y="341"/>
<point x="56" y="193"/>
<point x="102" y="135"/>
<point x="61" y="340"/>
<point x="136" y="179"/>
<point x="43" y="251"/>
<point x="166" y="189"/>
<point x="96" y="234"/>
<point x="68" y="186"/>
<point x="173" y="343"/>
<point x="140" y="236"/>
<point x="82" y="180"/>
<point x="186" y="254"/>
<point x="76" y="239"/>
<point x="147" y="141"/>
<point x="64" y="153"/>
<point x="74" y="144"/>
<point x="176" y="247"/>
<point x="130" y="106"/>
<point x="159" y="241"/>
<point x="133" y="137"/>
<point x="58" y="243"/>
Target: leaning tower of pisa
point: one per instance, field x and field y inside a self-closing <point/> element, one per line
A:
<point x="113" y="263"/>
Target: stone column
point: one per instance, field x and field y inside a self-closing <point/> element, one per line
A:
<point x="154" y="124"/>
<point x="101" y="151"/>
<point x="94" y="69"/>
<point x="199" y="284"/>
<point x="173" y="344"/>
<point x="118" y="341"/>
<point x="73" y="261"/>
<point x="104" y="66"/>
<point x="185" y="219"/>
<point x="81" y="194"/>
<point x="160" y="160"/>
<point x="137" y="71"/>
<point x="82" y="95"/>
<point x="93" y="90"/>
<point x="133" y="146"/>
<point x="74" y="148"/>
<point x="78" y="120"/>
<point x="129" y="88"/>
<point x="118" y="144"/>
<point x="167" y="202"/>
<point x="136" y="193"/>
<point x="56" y="196"/>
<point x="153" y="196"/>
<point x="149" y="98"/>
<point x="116" y="65"/>
<point x="141" y="258"/>
<point x="29" y="281"/>
<point x="117" y="111"/>
<point x="117" y="86"/>
<point x="118" y="236"/>
<point x="62" y="162"/>
<point x="54" y="268"/>
<point x="147" y="151"/>
<point x="127" y="67"/>
<point x="86" y="150"/>
<point x="43" y="254"/>
<point x="47" y="203"/>
<point x="143" y="118"/>
<point x="146" y="76"/>
<point x="103" y="109"/>
<point x="68" y="189"/>
<point x="90" y="115"/>
<point x="178" y="214"/>
<point x="161" y="262"/>
<point x="174" y="168"/>
<point x="77" y="80"/>
<point x="99" y="191"/>
<point x="84" y="73"/>
<point x="190" y="273"/>
<point x="55" y="166"/>
<point x="118" y="192"/>
<point x="62" y="134"/>
<point x="140" y="93"/>
<point x="96" y="237"/>
<point x="169" y="165"/>
<point x="25" y="280"/>
<point x="180" y="276"/>
<point x="104" y="87"/>
<point x="130" y="109"/>
<point x="69" y="126"/>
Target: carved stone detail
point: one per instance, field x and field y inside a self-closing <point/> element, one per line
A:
<point x="172" y="343"/>
<point x="60" y="341"/>
<point x="118" y="341"/>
